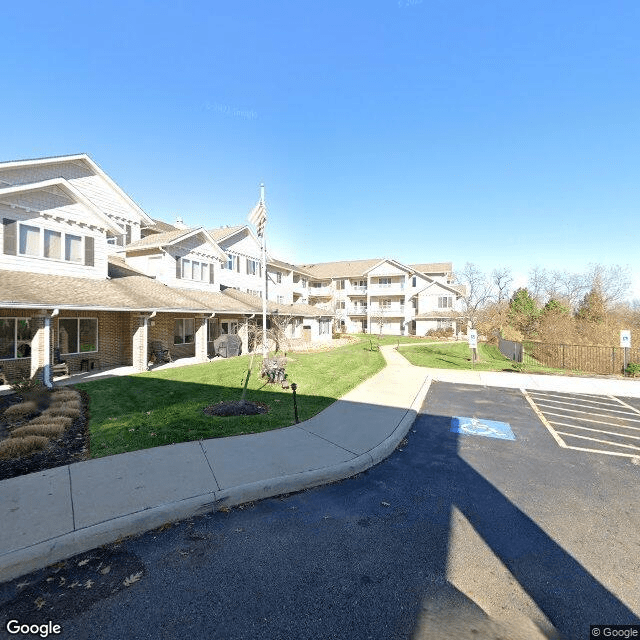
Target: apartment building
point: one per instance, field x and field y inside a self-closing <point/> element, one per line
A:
<point x="382" y="295"/>
<point x="87" y="276"/>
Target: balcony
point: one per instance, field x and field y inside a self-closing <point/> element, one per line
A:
<point x="388" y="312"/>
<point x="395" y="288"/>
<point x="320" y="292"/>
<point x="357" y="290"/>
<point x="358" y="310"/>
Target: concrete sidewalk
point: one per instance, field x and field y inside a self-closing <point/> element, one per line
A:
<point x="57" y="513"/>
<point x="51" y="515"/>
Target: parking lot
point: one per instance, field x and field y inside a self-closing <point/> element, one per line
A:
<point x="598" y="424"/>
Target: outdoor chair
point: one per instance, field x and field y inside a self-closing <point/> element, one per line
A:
<point x="59" y="367"/>
<point x="159" y="353"/>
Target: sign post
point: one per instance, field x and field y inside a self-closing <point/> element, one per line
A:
<point x="625" y="343"/>
<point x="473" y="344"/>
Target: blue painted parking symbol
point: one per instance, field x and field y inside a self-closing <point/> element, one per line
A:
<point x="481" y="427"/>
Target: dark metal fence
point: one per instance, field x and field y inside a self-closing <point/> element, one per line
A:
<point x="576" y="357"/>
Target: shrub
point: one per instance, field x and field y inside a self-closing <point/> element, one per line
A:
<point x="26" y="384"/>
<point x="64" y="395"/>
<point x="63" y="410"/>
<point x="45" y="429"/>
<point x="16" y="447"/>
<point x="21" y="410"/>
<point x="633" y="369"/>
<point x="64" y="421"/>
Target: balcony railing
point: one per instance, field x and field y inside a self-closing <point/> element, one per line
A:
<point x="357" y="311"/>
<point x="319" y="292"/>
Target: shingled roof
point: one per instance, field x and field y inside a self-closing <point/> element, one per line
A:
<point x="276" y="307"/>
<point x="224" y="232"/>
<point x="433" y="267"/>
<point x="160" y="239"/>
<point x="345" y="268"/>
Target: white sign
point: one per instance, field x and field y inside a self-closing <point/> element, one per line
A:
<point x="625" y="338"/>
<point x="473" y="339"/>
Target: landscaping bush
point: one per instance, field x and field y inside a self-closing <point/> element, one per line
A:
<point x="45" y="429"/>
<point x="633" y="369"/>
<point x="440" y="333"/>
<point x="66" y="394"/>
<point x="16" y="447"/>
<point x="63" y="410"/>
<point x="21" y="411"/>
<point x="64" y="421"/>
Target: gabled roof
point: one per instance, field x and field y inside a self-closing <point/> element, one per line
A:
<point x="342" y="269"/>
<point x="395" y="263"/>
<point x="273" y="262"/>
<point x="159" y="226"/>
<point x="73" y="193"/>
<point x="255" y="303"/>
<point x="84" y="158"/>
<point x="170" y="238"/>
<point x="433" y="267"/>
<point x="222" y="233"/>
<point x="118" y="267"/>
<point x="459" y="290"/>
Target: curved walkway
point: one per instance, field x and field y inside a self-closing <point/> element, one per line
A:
<point x="55" y="514"/>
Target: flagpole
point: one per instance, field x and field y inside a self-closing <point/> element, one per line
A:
<point x="264" y="283"/>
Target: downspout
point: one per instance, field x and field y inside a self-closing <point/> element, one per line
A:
<point x="46" y="374"/>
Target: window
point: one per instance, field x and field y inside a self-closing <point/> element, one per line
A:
<point x="278" y="277"/>
<point x="72" y="248"/>
<point x="253" y="267"/>
<point x="316" y="285"/>
<point x="414" y="281"/>
<point x="29" y="240"/>
<point x="385" y="304"/>
<point x="340" y="285"/>
<point x="341" y="305"/>
<point x="233" y="264"/>
<point x="15" y="338"/>
<point x="444" y="324"/>
<point x="384" y="282"/>
<point x="52" y="244"/>
<point x="280" y="299"/>
<point x="229" y="327"/>
<point x="304" y="283"/>
<point x="445" y="302"/>
<point x="78" y="335"/>
<point x="184" y="331"/>
<point x="194" y="270"/>
<point x="212" y="329"/>
<point x="324" y="326"/>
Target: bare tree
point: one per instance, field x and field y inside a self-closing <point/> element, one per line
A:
<point x="613" y="282"/>
<point x="502" y="278"/>
<point x="477" y="292"/>
<point x="538" y="284"/>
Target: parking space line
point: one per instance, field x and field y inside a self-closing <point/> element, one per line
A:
<point x="573" y="404"/>
<point x="544" y="421"/>
<point x="625" y="404"/>
<point x="555" y="395"/>
<point x="613" y="424"/>
<point x="609" y="433"/>
<point x="573" y="435"/>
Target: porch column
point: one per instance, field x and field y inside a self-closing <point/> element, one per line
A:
<point x="140" y="354"/>
<point x="201" y="338"/>
<point x="243" y="333"/>
<point x="41" y="348"/>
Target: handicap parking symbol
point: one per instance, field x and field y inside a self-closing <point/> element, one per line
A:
<point x="481" y="427"/>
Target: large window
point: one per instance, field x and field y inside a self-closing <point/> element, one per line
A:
<point x="46" y="243"/>
<point x="233" y="262"/>
<point x="78" y="335"/>
<point x="15" y="338"/>
<point x="384" y="282"/>
<point x="184" y="331"/>
<point x="445" y="302"/>
<point x="229" y="327"/>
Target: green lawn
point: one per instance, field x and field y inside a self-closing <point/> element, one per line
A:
<point x="457" y="355"/>
<point x="166" y="406"/>
<point x="377" y="339"/>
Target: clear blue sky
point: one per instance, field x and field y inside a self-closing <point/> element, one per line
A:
<point x="495" y="132"/>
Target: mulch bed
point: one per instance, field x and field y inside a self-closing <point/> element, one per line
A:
<point x="236" y="408"/>
<point x="71" y="446"/>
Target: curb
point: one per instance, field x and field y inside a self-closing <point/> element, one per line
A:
<point x="42" y="554"/>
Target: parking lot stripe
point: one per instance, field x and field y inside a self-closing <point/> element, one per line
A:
<point x="544" y="421"/>
<point x="619" y="454"/>
<point x="609" y="433"/>
<point x="555" y="395"/>
<point x="625" y="404"/>
<point x="613" y="444"/>
<point x="573" y="404"/>
<point x="612" y="424"/>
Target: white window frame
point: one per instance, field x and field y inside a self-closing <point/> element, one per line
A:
<point x="63" y="243"/>
<point x="78" y="319"/>
<point x="445" y="302"/>
<point x="279" y="277"/>
<point x="384" y="281"/>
